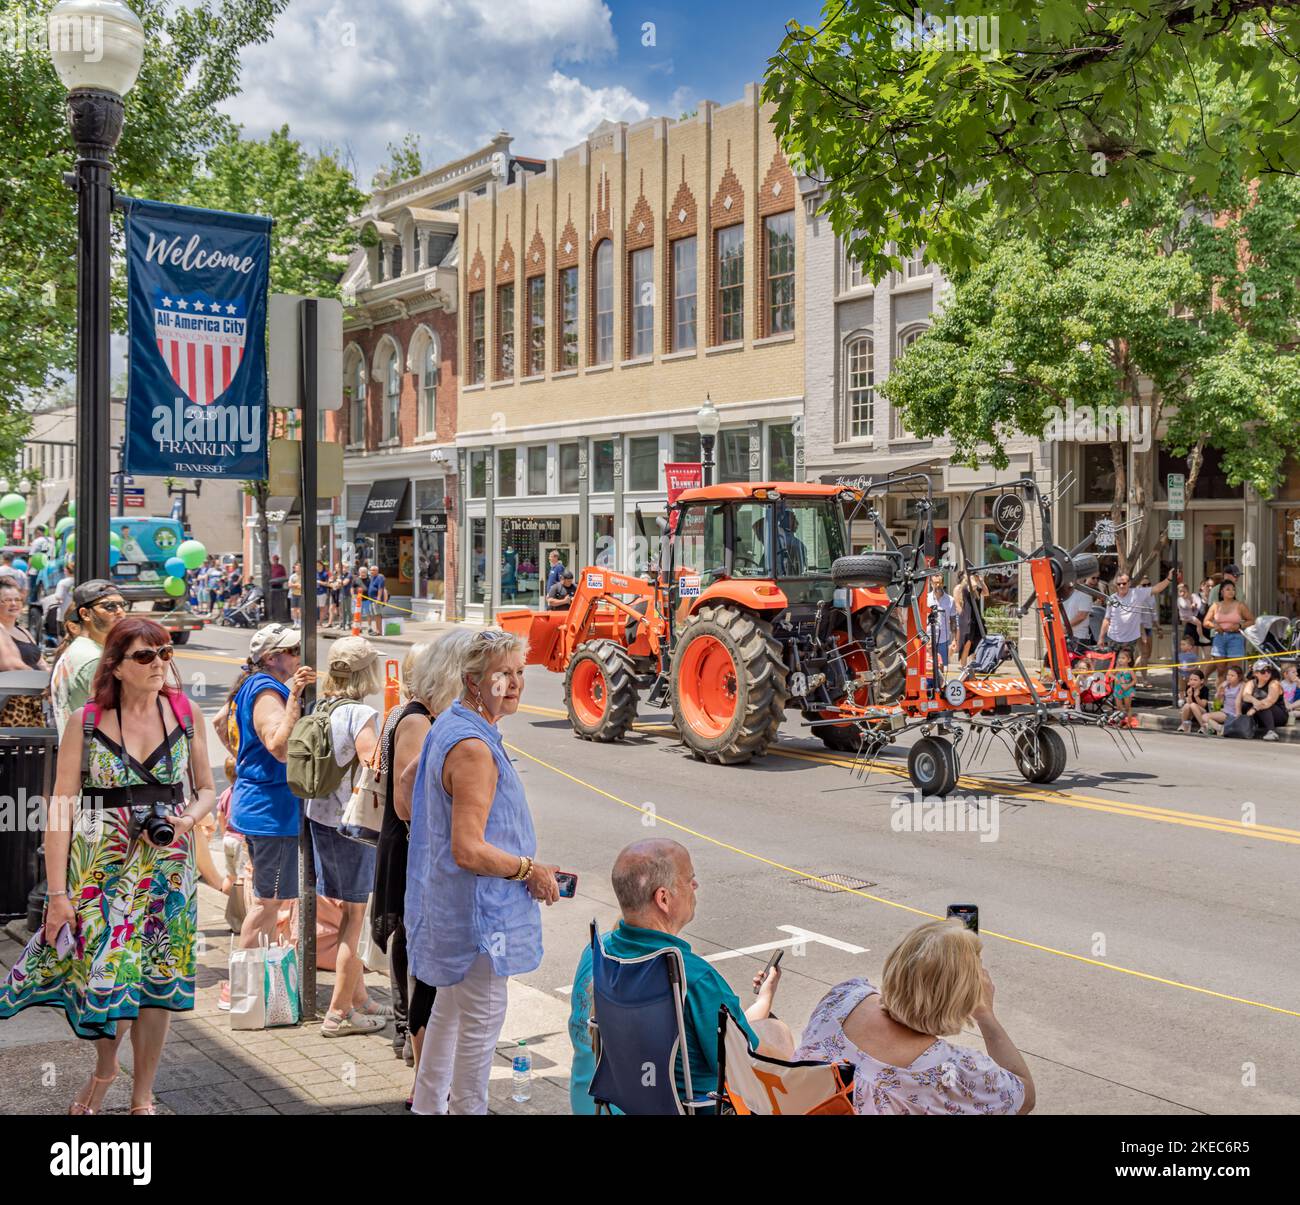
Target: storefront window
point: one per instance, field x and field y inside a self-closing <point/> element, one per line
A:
<point x="1211" y="481"/>
<point x="780" y="452"/>
<point x="733" y="455"/>
<point x="1098" y="474"/>
<point x="433" y="573"/>
<point x="602" y="466"/>
<point x="521" y="558"/>
<point x="506" y="479"/>
<point x="478" y="474"/>
<point x="568" y="468"/>
<point x="643" y="463"/>
<point x="1286" y="527"/>
<point x="478" y="559"/>
<point x="602" y="531"/>
<point x="537" y="470"/>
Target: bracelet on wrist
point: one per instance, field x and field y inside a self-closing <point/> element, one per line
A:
<point x="49" y="895"/>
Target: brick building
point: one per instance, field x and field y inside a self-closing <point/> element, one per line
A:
<point x="601" y="300"/>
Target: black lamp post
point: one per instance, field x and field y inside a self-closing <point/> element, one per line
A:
<point x="707" y="422"/>
<point x="97" y="47"/>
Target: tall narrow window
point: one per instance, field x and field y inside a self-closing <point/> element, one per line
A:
<point x="860" y="396"/>
<point x="642" y="302"/>
<point x="536" y="326"/>
<point x="397" y="260"/>
<point x="357" y="426"/>
<point x="905" y="340"/>
<point x="392" y="395"/>
<point x="429" y="388"/>
<point x="914" y="265"/>
<point x="506" y="329"/>
<point x="731" y="284"/>
<point x="507" y="472"/>
<point x="602" y="466"/>
<point x="569" y="318"/>
<point x="684" y="295"/>
<point x="568" y="468"/>
<point x="778" y="235"/>
<point x="537" y="470"/>
<point x="603" y="314"/>
<point x="477" y="337"/>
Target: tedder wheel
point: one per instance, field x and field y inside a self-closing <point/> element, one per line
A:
<point x="932" y="766"/>
<point x="889" y="661"/>
<point x="1040" y="754"/>
<point x="181" y="637"/>
<point x="728" y="685"/>
<point x="600" y="691"/>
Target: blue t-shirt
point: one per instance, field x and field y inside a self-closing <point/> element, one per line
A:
<point x="374" y="585"/>
<point x="322" y="582"/>
<point x="261" y="804"/>
<point x="556" y="573"/>
<point x="706" y="990"/>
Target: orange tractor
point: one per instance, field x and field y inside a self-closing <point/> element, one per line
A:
<point x="740" y="621"/>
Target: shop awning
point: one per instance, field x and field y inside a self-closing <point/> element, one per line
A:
<point x="281" y="510"/>
<point x="877" y="467"/>
<point x="52" y="503"/>
<point x="383" y="506"/>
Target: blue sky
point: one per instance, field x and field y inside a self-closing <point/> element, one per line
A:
<point x="457" y="71"/>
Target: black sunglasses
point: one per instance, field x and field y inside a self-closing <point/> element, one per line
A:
<point x="111" y="607"/>
<point x="146" y="656"/>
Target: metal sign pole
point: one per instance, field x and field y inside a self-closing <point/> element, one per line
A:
<point x="307" y="904"/>
<point x="1177" y="626"/>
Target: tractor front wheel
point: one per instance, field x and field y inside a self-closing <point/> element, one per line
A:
<point x="728" y="685"/>
<point x="600" y="691"/>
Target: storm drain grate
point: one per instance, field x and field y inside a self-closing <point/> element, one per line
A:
<point x="841" y="882"/>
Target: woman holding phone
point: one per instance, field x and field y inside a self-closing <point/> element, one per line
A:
<point x="117" y="949"/>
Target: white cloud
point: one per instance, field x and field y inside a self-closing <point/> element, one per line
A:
<point x="453" y="71"/>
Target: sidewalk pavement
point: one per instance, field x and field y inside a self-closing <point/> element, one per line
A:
<point x="207" y="1068"/>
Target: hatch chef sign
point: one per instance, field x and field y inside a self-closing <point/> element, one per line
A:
<point x="196" y="398"/>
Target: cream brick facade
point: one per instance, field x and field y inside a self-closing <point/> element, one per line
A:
<point x="639" y="186"/>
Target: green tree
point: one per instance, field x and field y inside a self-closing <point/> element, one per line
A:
<point x="1027" y="111"/>
<point x="191" y="65"/>
<point x="1185" y="321"/>
<point x="404" y="161"/>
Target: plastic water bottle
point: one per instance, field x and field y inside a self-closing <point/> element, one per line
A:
<point x="521" y="1074"/>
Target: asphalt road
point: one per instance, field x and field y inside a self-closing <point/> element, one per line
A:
<point x="1138" y="920"/>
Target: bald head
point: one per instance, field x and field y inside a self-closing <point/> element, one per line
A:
<point x="654" y="883"/>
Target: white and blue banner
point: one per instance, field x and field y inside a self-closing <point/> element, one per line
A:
<point x="196" y="307"/>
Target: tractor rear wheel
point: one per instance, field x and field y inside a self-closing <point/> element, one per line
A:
<point x="889" y="661"/>
<point x="600" y="691"/>
<point x="728" y="685"/>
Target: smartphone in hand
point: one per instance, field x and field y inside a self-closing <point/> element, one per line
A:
<point x="567" y="883"/>
<point x="968" y="914"/>
<point x="772" y="964"/>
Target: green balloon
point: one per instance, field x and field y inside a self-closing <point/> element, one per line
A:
<point x="192" y="553"/>
<point x="114" y="540"/>
<point x="174" y="586"/>
<point x="13" y="506"/>
<point x="38" y="561"/>
<point x="71" y="544"/>
<point x="72" y="509"/>
<point x="63" y="524"/>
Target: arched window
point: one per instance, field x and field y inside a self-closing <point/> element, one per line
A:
<point x="428" y="369"/>
<point x="906" y="337"/>
<point x="392" y="394"/>
<point x="603" y="344"/>
<point x="859" y="388"/>
<point x="357" y="395"/>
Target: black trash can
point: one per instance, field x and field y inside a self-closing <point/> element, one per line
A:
<point x="27" y="762"/>
<point x="277" y="601"/>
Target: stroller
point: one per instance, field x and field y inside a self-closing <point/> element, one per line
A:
<point x="248" y="612"/>
<point x="1092" y="670"/>
<point x="1271" y="637"/>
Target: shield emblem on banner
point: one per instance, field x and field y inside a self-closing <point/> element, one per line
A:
<point x="201" y="340"/>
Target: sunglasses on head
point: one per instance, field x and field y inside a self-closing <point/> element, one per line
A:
<point x="146" y="656"/>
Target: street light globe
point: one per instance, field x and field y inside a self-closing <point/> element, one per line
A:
<point x="96" y="44"/>
<point x="707" y="419"/>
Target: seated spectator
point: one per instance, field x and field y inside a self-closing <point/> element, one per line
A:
<point x="560" y="595"/>
<point x="1227" y="705"/>
<point x="655" y="884"/>
<point x="933" y="983"/>
<point x="1196" y="702"/>
<point x="1262" y="700"/>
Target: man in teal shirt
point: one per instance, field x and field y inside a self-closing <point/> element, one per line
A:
<point x="654" y="882"/>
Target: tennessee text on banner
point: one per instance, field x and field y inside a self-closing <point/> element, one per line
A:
<point x="196" y="396"/>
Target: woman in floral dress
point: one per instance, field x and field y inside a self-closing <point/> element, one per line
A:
<point x="129" y="904"/>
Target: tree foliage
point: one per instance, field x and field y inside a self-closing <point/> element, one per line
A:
<point x="191" y="65"/>
<point x="404" y="161"/>
<point x="1026" y="112"/>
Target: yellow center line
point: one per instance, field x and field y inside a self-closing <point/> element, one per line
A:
<point x="1032" y="945"/>
<point x="1091" y="803"/>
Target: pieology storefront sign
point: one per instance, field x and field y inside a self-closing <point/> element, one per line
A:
<point x="383" y="507"/>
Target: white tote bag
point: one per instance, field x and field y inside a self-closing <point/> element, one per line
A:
<point x="248" y="988"/>
<point x="363" y="815"/>
<point x="281" y="986"/>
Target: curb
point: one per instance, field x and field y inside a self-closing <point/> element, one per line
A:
<point x="1149" y="722"/>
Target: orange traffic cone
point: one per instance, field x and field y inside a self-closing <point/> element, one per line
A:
<point x="356" y="615"/>
<point x="392" y="686"/>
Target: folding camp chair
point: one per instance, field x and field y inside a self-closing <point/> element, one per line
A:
<point x="638" y="1030"/>
<point x="755" y="1084"/>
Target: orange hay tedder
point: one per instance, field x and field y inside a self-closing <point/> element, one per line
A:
<point x="756" y="608"/>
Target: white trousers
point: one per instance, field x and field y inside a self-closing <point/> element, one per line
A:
<point x="456" y="1058"/>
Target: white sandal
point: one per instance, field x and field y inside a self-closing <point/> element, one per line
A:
<point x="336" y="1026"/>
